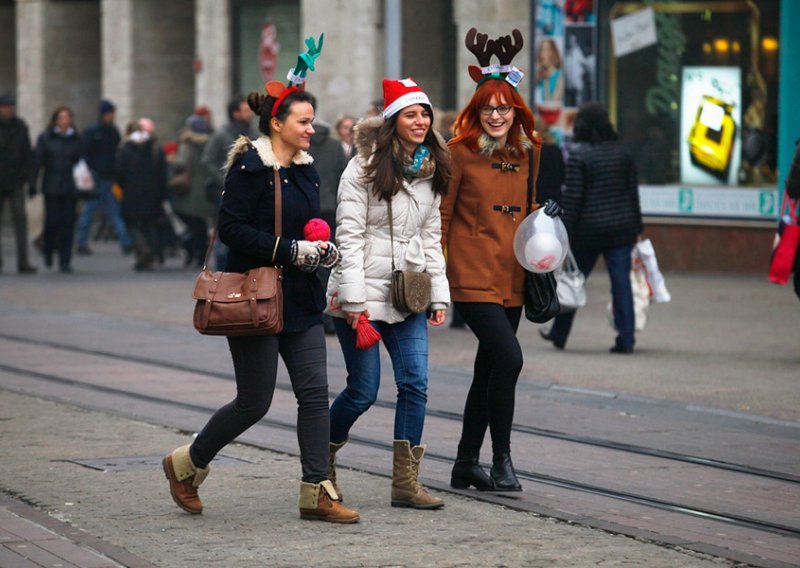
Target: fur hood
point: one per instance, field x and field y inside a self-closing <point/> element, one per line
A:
<point x="488" y="145"/>
<point x="263" y="146"/>
<point x="366" y="131"/>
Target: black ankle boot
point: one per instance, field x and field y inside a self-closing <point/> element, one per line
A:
<point x="503" y="475"/>
<point x="467" y="471"/>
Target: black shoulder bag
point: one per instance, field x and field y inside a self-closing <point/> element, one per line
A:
<point x="541" y="299"/>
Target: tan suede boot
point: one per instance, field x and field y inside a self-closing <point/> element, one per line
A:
<point x="406" y="488"/>
<point x="184" y="479"/>
<point x="320" y="502"/>
<point x="332" y="449"/>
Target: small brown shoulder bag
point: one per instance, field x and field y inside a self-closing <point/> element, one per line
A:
<point x="249" y="303"/>
<point x="410" y="291"/>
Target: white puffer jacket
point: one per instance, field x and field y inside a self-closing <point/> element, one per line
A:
<point x="362" y="280"/>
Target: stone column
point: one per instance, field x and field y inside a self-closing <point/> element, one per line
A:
<point x="493" y="18"/>
<point x="31" y="63"/>
<point x="116" y="30"/>
<point x="350" y="69"/>
<point x="213" y="58"/>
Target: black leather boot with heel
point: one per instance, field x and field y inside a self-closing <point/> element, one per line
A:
<point x="467" y="471"/>
<point x="503" y="475"/>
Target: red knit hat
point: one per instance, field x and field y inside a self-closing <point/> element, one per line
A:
<point x="397" y="95"/>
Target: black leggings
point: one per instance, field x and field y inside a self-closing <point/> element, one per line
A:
<point x="490" y="401"/>
<point x="255" y="362"/>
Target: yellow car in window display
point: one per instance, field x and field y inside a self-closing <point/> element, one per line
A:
<point x="712" y="136"/>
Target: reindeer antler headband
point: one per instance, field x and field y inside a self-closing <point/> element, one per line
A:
<point x="504" y="48"/>
<point x="297" y="76"/>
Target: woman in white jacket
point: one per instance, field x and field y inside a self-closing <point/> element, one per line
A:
<point x="399" y="159"/>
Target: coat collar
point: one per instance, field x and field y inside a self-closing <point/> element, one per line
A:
<point x="488" y="145"/>
<point x="263" y="147"/>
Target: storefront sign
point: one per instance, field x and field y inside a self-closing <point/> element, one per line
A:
<point x="709" y="202"/>
<point x="634" y="32"/>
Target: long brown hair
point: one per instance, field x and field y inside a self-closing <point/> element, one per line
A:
<point x="384" y="169"/>
<point x="468" y="128"/>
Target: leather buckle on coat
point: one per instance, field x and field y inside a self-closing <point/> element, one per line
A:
<point x="505" y="166"/>
<point x="508" y="209"/>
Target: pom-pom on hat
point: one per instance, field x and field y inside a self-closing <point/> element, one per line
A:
<point x="397" y="95"/>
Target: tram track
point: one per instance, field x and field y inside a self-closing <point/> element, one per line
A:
<point x="446" y="415"/>
<point x="706" y="513"/>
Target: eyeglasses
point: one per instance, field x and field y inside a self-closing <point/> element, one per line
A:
<point x="502" y="110"/>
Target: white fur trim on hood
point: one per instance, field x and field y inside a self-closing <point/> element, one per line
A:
<point x="263" y="146"/>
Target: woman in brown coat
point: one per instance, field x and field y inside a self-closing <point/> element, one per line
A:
<point x="485" y="203"/>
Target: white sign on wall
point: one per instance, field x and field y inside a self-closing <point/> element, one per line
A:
<point x="634" y="31"/>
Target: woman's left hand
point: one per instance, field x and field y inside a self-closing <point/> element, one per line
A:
<point x="437" y="317"/>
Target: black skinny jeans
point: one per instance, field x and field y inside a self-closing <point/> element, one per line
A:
<point x="490" y="401"/>
<point x="255" y="362"/>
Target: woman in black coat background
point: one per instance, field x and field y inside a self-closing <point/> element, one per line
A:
<point x="603" y="216"/>
<point x="58" y="149"/>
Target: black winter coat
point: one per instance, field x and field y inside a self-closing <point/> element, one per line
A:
<point x="56" y="155"/>
<point x="15" y="154"/>
<point x="601" y="197"/>
<point x="141" y="172"/>
<point x="100" y="143"/>
<point x="247" y="226"/>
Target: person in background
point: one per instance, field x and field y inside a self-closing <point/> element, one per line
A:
<point x="15" y="163"/>
<point x="189" y="194"/>
<point x="550" y="80"/>
<point x="100" y="142"/>
<point x="141" y="172"/>
<point x="58" y="149"/>
<point x="602" y="216"/>
<point x="491" y="151"/>
<point x="551" y="166"/>
<point x="388" y="215"/>
<point x="246" y="226"/>
<point x="793" y="190"/>
<point x="374" y="108"/>
<point x="344" y="130"/>
<point x="215" y="155"/>
<point x="329" y="161"/>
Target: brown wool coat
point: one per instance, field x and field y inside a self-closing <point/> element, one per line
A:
<point x="481" y="265"/>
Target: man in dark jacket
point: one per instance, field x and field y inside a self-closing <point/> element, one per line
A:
<point x="15" y="163"/>
<point x="100" y="142"/>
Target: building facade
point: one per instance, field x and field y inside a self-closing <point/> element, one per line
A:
<point x="700" y="91"/>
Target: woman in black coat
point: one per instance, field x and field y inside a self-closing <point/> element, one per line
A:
<point x="246" y="225"/>
<point x="58" y="149"/>
<point x="602" y="215"/>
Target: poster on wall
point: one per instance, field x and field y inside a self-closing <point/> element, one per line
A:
<point x="565" y="57"/>
<point x="711" y="110"/>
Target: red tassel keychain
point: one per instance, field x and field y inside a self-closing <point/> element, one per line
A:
<point x="366" y="335"/>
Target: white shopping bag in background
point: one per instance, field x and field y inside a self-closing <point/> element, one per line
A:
<point x="82" y="176"/>
<point x="654" y="276"/>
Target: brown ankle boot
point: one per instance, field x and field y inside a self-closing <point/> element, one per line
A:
<point x="320" y="502"/>
<point x="332" y="449"/>
<point x="406" y="488"/>
<point x="184" y="479"/>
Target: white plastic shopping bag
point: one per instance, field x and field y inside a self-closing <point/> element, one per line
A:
<point x="654" y="277"/>
<point x="82" y="176"/>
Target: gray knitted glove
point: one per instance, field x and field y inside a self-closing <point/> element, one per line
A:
<point x="306" y="255"/>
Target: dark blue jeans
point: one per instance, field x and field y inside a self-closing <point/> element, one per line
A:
<point x="104" y="198"/>
<point x="407" y="343"/>
<point x="618" y="261"/>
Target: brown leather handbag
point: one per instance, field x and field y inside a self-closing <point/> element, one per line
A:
<point x="249" y="303"/>
<point x="410" y="291"/>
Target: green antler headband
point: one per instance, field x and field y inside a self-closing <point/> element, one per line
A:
<point x="297" y="75"/>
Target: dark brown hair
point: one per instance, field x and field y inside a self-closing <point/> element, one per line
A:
<point x="261" y="104"/>
<point x="384" y="170"/>
<point x="59" y="110"/>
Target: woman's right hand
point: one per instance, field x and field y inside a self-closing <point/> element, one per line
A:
<point x="352" y="317"/>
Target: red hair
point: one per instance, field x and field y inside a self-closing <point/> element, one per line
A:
<point x="467" y="127"/>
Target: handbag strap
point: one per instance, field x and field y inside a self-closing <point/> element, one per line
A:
<point x="533" y="173"/>
<point x="391" y="228"/>
<point x="278" y="221"/>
